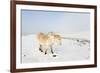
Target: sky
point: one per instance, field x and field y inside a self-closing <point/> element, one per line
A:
<point x="35" y="21"/>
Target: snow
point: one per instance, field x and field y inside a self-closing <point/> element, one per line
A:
<point x="70" y="50"/>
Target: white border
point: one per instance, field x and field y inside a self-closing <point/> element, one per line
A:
<point x="36" y="65"/>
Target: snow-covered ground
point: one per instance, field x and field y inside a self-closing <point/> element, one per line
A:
<point x="70" y="50"/>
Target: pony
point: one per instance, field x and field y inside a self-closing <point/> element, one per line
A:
<point x="47" y="41"/>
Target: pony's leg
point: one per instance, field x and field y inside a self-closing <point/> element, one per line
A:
<point x="51" y="49"/>
<point x="46" y="51"/>
<point x="40" y="48"/>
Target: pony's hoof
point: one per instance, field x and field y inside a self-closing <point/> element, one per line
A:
<point x="54" y="55"/>
<point x="45" y="53"/>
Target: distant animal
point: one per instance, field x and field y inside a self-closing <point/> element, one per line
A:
<point x="82" y="42"/>
<point x="46" y="41"/>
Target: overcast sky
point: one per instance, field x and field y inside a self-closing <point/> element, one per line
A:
<point x="34" y="21"/>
